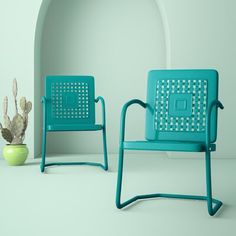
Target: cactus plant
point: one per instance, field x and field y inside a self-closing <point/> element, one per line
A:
<point x="14" y="131"/>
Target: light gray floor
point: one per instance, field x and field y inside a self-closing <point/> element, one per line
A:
<point x="80" y="200"/>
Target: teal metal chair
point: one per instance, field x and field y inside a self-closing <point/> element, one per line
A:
<point x="181" y="115"/>
<point x="69" y="105"/>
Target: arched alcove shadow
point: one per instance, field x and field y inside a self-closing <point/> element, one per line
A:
<point x="115" y="41"/>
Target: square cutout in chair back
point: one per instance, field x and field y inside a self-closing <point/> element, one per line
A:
<point x="179" y="101"/>
<point x="71" y="99"/>
<point x="180" y="104"/>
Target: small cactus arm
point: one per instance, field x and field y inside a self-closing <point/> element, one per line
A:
<point x="15" y="90"/>
<point x="17" y="128"/>
<point x="26" y="108"/>
<point x="23" y="104"/>
<point x="7" y="121"/>
<point x="6" y="134"/>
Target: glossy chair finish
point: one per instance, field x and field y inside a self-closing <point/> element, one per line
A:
<point x="69" y="105"/>
<point x="181" y="115"/>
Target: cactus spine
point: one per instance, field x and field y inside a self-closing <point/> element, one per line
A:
<point x="14" y="131"/>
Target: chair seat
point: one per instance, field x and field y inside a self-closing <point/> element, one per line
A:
<point x="74" y="127"/>
<point x="167" y="146"/>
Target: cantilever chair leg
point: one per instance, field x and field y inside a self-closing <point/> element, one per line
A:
<point x="211" y="209"/>
<point x="42" y="165"/>
<point x="171" y="94"/>
<point x="210" y="201"/>
<point x="103" y="166"/>
<point x="119" y="179"/>
<point x="105" y="148"/>
<point x="77" y="92"/>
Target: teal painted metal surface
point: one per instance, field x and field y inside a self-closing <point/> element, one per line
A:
<point x="167" y="146"/>
<point x="71" y="100"/>
<point x="167" y="101"/>
<point x="177" y="102"/>
<point x="69" y="105"/>
<point x="74" y="127"/>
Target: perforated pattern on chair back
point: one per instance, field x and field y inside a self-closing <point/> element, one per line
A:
<point x="70" y="99"/>
<point x="178" y="102"/>
<point x="181" y="105"/>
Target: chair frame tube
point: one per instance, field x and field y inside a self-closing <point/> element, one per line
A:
<point x="210" y="201"/>
<point x="43" y="163"/>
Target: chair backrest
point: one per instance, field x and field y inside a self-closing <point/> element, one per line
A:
<point x="178" y="101"/>
<point x="70" y="99"/>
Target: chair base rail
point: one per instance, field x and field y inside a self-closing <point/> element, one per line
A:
<point x="211" y="209"/>
<point x="104" y="167"/>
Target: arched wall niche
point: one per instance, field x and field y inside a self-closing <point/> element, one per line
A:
<point x="38" y="76"/>
<point x="115" y="41"/>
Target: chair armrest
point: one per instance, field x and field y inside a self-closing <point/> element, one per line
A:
<point x="101" y="99"/>
<point x="123" y="116"/>
<point x="217" y="104"/>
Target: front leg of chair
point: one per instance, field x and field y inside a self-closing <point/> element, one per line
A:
<point x="44" y="135"/>
<point x="101" y="99"/>
<point x="121" y="153"/>
<point x="119" y="179"/>
<point x="211" y="209"/>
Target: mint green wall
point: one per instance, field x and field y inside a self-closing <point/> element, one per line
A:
<point x="200" y="34"/>
<point x="117" y="42"/>
<point x="17" y="23"/>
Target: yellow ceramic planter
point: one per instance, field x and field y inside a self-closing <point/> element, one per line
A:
<point x="15" y="155"/>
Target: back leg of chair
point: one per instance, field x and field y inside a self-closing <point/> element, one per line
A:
<point x="211" y="209"/>
<point x="42" y="165"/>
<point x="208" y="181"/>
<point x="105" y="148"/>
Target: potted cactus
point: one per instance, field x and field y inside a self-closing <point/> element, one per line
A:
<point x="15" y="152"/>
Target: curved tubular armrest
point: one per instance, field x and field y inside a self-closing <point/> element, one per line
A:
<point x="216" y="104"/>
<point x="123" y="116"/>
<point x="101" y="99"/>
